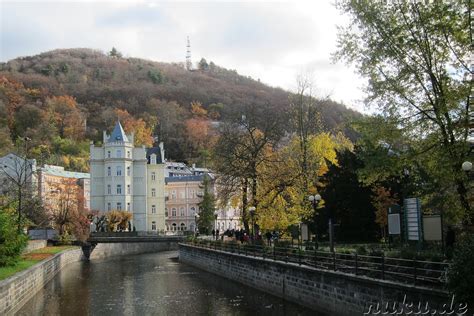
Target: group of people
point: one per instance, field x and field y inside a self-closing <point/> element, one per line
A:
<point x="244" y="236"/>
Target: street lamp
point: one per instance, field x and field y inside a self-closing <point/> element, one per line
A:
<point x="252" y="214"/>
<point x="196" y="228"/>
<point x="466" y="166"/>
<point x="314" y="199"/>
<point x="215" y="223"/>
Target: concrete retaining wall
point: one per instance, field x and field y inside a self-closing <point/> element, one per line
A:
<point x="105" y="250"/>
<point x="18" y="289"/>
<point x="331" y="292"/>
<point x="35" y="244"/>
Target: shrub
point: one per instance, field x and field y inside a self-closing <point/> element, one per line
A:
<point x="361" y="250"/>
<point x="12" y="243"/>
<point x="460" y="276"/>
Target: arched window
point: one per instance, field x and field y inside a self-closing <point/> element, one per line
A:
<point x="174" y="226"/>
<point x="153" y="209"/>
<point x="119" y="153"/>
<point x="173" y="212"/>
<point x="181" y="212"/>
<point x="109" y="171"/>
<point x="153" y="225"/>
<point x="183" y="226"/>
<point x="128" y="171"/>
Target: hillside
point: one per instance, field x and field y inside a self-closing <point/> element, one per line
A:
<point x="158" y="93"/>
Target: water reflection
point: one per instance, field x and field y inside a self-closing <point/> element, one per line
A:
<point x="150" y="284"/>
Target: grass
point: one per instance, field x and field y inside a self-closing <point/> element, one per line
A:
<point x="30" y="259"/>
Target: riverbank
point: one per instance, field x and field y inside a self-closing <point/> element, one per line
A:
<point x="16" y="290"/>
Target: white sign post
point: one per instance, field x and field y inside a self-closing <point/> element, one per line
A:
<point x="412" y="209"/>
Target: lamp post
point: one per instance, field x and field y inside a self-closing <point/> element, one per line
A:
<point x="466" y="166"/>
<point x="196" y="229"/>
<point x="215" y="224"/>
<point x="314" y="199"/>
<point x="252" y="214"/>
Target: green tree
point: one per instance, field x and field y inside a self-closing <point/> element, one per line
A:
<point x="207" y="207"/>
<point x="415" y="55"/>
<point x="12" y="242"/>
<point x="203" y="65"/>
<point x="115" y="53"/>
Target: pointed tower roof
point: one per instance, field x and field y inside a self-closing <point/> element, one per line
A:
<point x="118" y="134"/>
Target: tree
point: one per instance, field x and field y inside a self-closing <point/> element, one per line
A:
<point x="18" y="172"/>
<point x="382" y="199"/>
<point x="415" y="55"/>
<point x="203" y="65"/>
<point x="347" y="201"/>
<point x="115" y="53"/>
<point x="206" y="207"/>
<point x="66" y="117"/>
<point x="12" y="242"/>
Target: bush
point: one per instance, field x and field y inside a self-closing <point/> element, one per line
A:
<point x="460" y="276"/>
<point x="11" y="242"/>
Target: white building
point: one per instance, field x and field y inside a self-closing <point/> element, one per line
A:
<point x="16" y="171"/>
<point x="119" y="179"/>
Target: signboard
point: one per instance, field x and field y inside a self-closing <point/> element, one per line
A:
<point x="432" y="228"/>
<point x="394" y="227"/>
<point x="412" y="208"/>
<point x="394" y="224"/>
<point x="304" y="232"/>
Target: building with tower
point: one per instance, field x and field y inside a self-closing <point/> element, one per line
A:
<point x="121" y="176"/>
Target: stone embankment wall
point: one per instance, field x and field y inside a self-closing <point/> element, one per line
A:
<point x="35" y="244"/>
<point x="105" y="250"/>
<point x="330" y="292"/>
<point x="18" y="289"/>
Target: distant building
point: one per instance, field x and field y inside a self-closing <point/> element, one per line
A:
<point x="121" y="179"/>
<point x="16" y="170"/>
<point x="183" y="194"/>
<point x="53" y="179"/>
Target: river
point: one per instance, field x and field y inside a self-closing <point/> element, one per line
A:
<point x="150" y="284"/>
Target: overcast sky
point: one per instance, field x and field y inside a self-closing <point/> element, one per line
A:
<point x="272" y="41"/>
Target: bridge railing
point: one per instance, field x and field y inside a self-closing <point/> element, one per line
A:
<point x="417" y="272"/>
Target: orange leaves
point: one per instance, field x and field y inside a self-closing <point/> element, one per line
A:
<point x="197" y="109"/>
<point x="66" y="116"/>
<point x="143" y="134"/>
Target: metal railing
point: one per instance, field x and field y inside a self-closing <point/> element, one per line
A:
<point x="416" y="272"/>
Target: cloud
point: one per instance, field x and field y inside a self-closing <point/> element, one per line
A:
<point x="272" y="41"/>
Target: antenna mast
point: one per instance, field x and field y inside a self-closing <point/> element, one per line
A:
<point x="189" y="63"/>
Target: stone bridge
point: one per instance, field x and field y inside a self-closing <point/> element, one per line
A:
<point x="111" y="244"/>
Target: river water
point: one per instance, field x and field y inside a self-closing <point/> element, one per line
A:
<point x="150" y="284"/>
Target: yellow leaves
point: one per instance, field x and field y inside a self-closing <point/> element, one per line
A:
<point x="197" y="109"/>
<point x="143" y="134"/>
<point x="66" y="116"/>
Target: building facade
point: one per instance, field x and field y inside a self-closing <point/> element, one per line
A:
<point x="183" y="194"/>
<point x="17" y="171"/>
<point x="54" y="181"/>
<point x="120" y="180"/>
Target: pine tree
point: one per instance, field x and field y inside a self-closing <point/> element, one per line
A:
<point x="206" y="207"/>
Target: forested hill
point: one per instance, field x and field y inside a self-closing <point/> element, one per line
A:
<point x="159" y="93"/>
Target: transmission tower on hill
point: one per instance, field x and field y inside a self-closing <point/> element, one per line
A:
<point x="189" y="64"/>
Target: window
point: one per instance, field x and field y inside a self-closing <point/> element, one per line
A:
<point x="119" y="153"/>
<point x="182" y="194"/>
<point x="119" y="189"/>
<point x="153" y="225"/>
<point x="119" y="170"/>
<point x="166" y="212"/>
<point x="108" y="154"/>
<point x="119" y="206"/>
<point x="173" y="226"/>
<point x="128" y="154"/>
<point x="128" y="171"/>
<point x="153" y="176"/>
<point x="183" y="227"/>
<point x="153" y="192"/>
<point x="173" y="194"/>
<point x="109" y="189"/>
<point x="181" y="211"/>
<point x="109" y="207"/>
<point x="109" y="171"/>
<point x="173" y="212"/>
<point x="128" y="206"/>
<point x="153" y="209"/>
<point x="193" y="210"/>
<point x="128" y="188"/>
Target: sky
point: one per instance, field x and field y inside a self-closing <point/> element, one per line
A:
<point x="271" y="41"/>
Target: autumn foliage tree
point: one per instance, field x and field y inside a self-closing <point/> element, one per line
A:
<point x="382" y="199"/>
